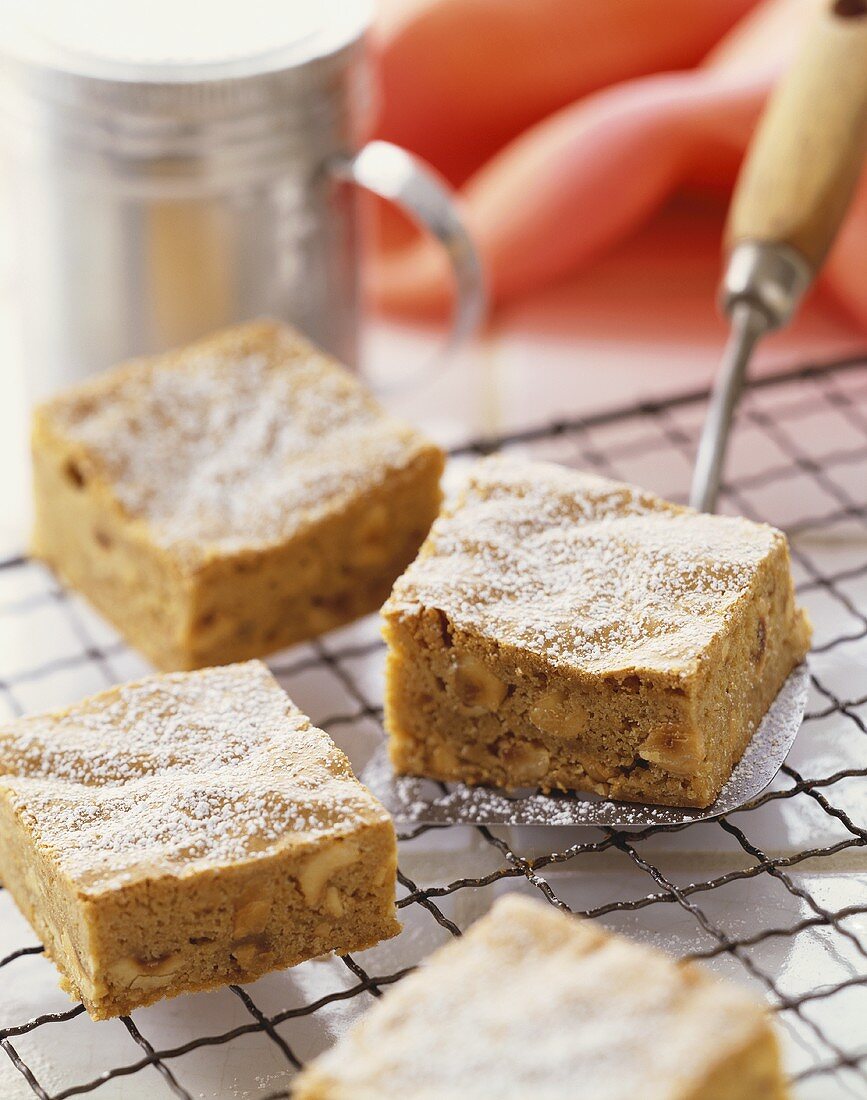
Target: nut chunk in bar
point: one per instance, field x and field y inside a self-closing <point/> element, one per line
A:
<point x="565" y="632"/>
<point x="186" y="831"/>
<point x="226" y="500"/>
<point x="532" y="1003"/>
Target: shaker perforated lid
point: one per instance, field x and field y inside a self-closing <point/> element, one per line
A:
<point x="196" y="58"/>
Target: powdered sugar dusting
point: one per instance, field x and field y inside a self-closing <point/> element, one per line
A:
<point x="177" y="771"/>
<point x="239" y="440"/>
<point x="589" y="573"/>
<point x="531" y="1002"/>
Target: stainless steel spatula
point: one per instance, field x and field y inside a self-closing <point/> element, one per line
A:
<point x="796" y="184"/>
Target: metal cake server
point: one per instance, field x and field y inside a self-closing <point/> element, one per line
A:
<point x="793" y="191"/>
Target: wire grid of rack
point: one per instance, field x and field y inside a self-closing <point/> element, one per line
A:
<point x="791" y="864"/>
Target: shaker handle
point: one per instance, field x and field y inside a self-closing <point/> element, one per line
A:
<point x="393" y="173"/>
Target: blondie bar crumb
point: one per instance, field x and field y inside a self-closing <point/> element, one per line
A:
<point x="231" y="498"/>
<point x="561" y="631"/>
<point x="186" y="831"/>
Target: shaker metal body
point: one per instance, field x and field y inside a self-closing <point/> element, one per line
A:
<point x="154" y="203"/>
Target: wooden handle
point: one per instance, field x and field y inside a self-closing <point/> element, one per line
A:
<point x="806" y="156"/>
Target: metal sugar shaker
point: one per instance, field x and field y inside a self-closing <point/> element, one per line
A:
<point x="172" y="173"/>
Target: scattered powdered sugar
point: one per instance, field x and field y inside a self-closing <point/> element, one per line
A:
<point x="587" y="572"/>
<point x="238" y="441"/>
<point x="173" y="771"/>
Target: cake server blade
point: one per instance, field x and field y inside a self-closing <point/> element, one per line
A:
<point x="413" y="801"/>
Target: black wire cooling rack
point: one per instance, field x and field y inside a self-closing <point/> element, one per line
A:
<point x="799" y="460"/>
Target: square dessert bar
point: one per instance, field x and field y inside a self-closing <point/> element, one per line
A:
<point x="534" y="1003"/>
<point x="186" y="831"/>
<point x="231" y="498"/>
<point x="565" y="632"/>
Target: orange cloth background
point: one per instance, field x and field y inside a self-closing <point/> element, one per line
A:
<point x="567" y="124"/>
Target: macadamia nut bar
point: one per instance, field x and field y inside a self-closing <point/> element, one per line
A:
<point x="229" y="499"/>
<point x="534" y="1003"/>
<point x="561" y="631"/>
<point x="186" y="831"/>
